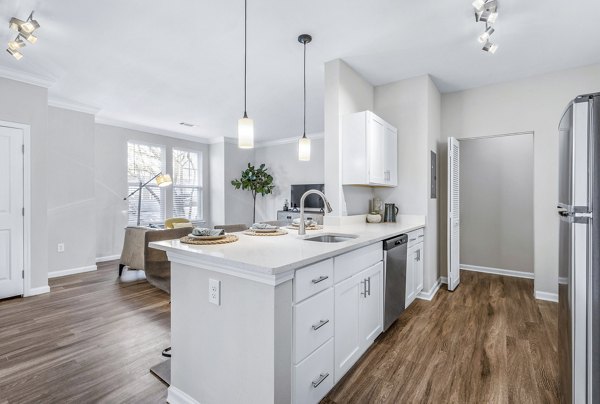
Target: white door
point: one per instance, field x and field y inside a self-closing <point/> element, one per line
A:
<point x="371" y="305"/>
<point x="453" y="214"/>
<point x="11" y="214"/>
<point x="347" y="336"/>
<point x="376" y="139"/>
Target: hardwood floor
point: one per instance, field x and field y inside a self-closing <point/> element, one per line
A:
<point x="489" y="341"/>
<point x="94" y="338"/>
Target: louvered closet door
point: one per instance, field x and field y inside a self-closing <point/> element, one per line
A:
<point x="453" y="214"/>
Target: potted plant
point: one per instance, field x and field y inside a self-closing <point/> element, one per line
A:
<point x="257" y="181"/>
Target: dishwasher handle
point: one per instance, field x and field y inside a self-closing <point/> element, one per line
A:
<point x="395" y="242"/>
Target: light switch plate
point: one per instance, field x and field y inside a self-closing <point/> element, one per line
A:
<point x="214" y="291"/>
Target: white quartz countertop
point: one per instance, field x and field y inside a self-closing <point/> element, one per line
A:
<point x="273" y="255"/>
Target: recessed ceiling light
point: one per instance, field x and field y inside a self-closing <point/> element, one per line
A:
<point x="189" y="125"/>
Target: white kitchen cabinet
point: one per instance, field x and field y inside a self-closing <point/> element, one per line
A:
<point x="369" y="150"/>
<point x="414" y="265"/>
<point x="358" y="316"/>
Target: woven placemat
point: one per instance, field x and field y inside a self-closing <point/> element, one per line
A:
<point x="230" y="238"/>
<point x="279" y="232"/>
<point x="317" y="227"/>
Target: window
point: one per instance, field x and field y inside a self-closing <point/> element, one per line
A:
<point x="144" y="162"/>
<point x="187" y="185"/>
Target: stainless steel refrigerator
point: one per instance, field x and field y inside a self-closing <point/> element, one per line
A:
<point x="579" y="251"/>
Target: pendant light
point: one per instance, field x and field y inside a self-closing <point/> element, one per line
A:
<point x="245" y="124"/>
<point x="304" y="142"/>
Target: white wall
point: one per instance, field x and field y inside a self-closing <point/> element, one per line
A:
<point x="496" y="202"/>
<point x="534" y="104"/>
<point x="28" y="104"/>
<point x="413" y="106"/>
<point x="111" y="181"/>
<point x="345" y="92"/>
<point x="283" y="164"/>
<point x="70" y="198"/>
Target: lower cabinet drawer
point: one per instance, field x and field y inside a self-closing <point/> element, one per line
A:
<point x="312" y="279"/>
<point x="313" y="323"/>
<point x="415" y="237"/>
<point x="349" y="264"/>
<point x="313" y="377"/>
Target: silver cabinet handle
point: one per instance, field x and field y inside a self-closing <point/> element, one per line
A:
<point x="319" y="324"/>
<point x="411" y="239"/>
<point x="421" y="236"/>
<point x="319" y="279"/>
<point x="364" y="292"/>
<point x="369" y="282"/>
<point x="319" y="380"/>
<point x="418" y="255"/>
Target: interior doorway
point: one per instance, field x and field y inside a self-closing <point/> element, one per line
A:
<point x="496" y="205"/>
<point x="12" y="230"/>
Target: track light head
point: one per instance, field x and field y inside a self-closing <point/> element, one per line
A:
<point x="15" y="53"/>
<point x="30" y="38"/>
<point x="16" y="44"/>
<point x="478" y="5"/>
<point x="490" y="47"/>
<point x="483" y="38"/>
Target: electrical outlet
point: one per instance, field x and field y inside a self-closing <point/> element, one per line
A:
<point x="60" y="247"/>
<point x="214" y="291"/>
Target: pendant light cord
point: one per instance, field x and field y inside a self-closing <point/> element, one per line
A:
<point x="245" y="51"/>
<point x="304" y="134"/>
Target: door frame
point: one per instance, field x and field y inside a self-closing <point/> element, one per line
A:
<point x="26" y="202"/>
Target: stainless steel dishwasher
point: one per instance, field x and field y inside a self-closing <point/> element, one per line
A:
<point x="394" y="258"/>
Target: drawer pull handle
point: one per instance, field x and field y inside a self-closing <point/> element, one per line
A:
<point x="411" y="239"/>
<point x="320" y="324"/>
<point x="320" y="279"/>
<point x="320" y="379"/>
<point x="421" y="236"/>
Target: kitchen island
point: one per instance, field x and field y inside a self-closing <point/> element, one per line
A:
<point x="289" y="316"/>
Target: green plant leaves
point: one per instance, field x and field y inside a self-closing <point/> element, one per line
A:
<point x="256" y="180"/>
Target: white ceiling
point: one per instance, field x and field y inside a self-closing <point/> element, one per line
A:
<point x="157" y="63"/>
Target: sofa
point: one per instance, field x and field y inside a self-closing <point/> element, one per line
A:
<point x="137" y="255"/>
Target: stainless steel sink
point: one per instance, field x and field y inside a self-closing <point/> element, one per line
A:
<point x="331" y="238"/>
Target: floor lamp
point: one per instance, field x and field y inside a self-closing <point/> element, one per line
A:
<point x="162" y="180"/>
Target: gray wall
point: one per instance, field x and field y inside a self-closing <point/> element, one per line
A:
<point x="496" y="202"/>
<point x="71" y="203"/>
<point x="28" y="104"/>
<point x="533" y="104"/>
<point x="110" y="156"/>
<point x="282" y="161"/>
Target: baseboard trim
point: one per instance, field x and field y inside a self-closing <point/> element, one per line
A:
<point x="550" y="297"/>
<point x="176" y="396"/>
<point x="107" y="258"/>
<point x="72" y="271"/>
<point x="497" y="271"/>
<point x="37" y="291"/>
<point x="444" y="280"/>
<point x="429" y="295"/>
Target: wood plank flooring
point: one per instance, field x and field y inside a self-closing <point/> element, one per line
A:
<point x="94" y="338"/>
<point x="489" y="341"/>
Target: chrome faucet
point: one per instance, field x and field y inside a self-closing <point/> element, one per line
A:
<point x="302" y="228"/>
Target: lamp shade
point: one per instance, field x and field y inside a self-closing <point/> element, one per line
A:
<point x="164" y="180"/>
<point x="246" y="133"/>
<point x="304" y="149"/>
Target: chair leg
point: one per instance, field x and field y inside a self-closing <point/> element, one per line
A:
<point x="121" y="269"/>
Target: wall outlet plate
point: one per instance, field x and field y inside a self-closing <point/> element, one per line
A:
<point x="214" y="291"/>
<point x="61" y="247"/>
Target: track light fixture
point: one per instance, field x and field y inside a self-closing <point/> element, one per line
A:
<point x="25" y="30"/>
<point x="486" y="11"/>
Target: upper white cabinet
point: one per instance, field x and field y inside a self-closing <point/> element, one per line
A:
<point x="369" y="150"/>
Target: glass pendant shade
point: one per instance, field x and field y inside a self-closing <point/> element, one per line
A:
<point x="246" y="133"/>
<point x="304" y="149"/>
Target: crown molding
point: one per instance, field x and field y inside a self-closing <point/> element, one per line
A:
<point x="28" y="78"/>
<point x="288" y="140"/>
<point x="222" y="139"/>
<point x="63" y="103"/>
<point x="148" y="129"/>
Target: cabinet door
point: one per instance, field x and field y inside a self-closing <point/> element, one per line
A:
<point x="371" y="305"/>
<point x="376" y="148"/>
<point x="419" y="269"/>
<point x="346" y="326"/>
<point x="411" y="264"/>
<point x="391" y="156"/>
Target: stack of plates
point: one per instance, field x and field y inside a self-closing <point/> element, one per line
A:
<point x="219" y="237"/>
